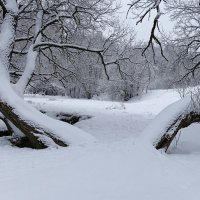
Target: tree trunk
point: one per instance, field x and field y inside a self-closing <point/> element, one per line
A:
<point x="12" y="106"/>
<point x="182" y="121"/>
<point x="22" y="83"/>
<point x="28" y="130"/>
<point x="9" y="131"/>
<point x="36" y="134"/>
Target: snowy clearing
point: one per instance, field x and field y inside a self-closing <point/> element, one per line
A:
<point x="118" y="166"/>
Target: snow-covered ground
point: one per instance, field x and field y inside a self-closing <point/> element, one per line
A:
<point x="118" y="166"/>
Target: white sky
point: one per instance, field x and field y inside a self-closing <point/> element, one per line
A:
<point x="143" y="30"/>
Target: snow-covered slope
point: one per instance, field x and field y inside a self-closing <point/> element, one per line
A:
<point x="120" y="166"/>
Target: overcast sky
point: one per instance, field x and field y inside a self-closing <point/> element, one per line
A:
<point x="142" y="30"/>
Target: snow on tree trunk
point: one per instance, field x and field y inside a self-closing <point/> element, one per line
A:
<point x="41" y="130"/>
<point x="166" y="125"/>
<point x="20" y="86"/>
<point x="182" y="121"/>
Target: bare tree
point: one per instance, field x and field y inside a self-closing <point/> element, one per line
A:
<point x="41" y="26"/>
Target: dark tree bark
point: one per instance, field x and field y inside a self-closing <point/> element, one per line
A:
<point x="30" y="130"/>
<point x="9" y="130"/>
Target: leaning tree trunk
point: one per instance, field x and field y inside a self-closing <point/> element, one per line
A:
<point x="12" y="106"/>
<point x="180" y="122"/>
<point x="34" y="132"/>
<point x="165" y="127"/>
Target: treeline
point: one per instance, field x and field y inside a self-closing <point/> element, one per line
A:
<point x="128" y="74"/>
<point x="111" y="65"/>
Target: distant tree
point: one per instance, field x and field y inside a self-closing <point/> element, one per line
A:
<point x="81" y="73"/>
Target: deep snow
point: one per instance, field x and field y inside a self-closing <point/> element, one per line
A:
<point x="119" y="166"/>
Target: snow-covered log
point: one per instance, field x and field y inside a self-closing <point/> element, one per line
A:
<point x="165" y="127"/>
<point x="182" y="121"/>
<point x="41" y="130"/>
